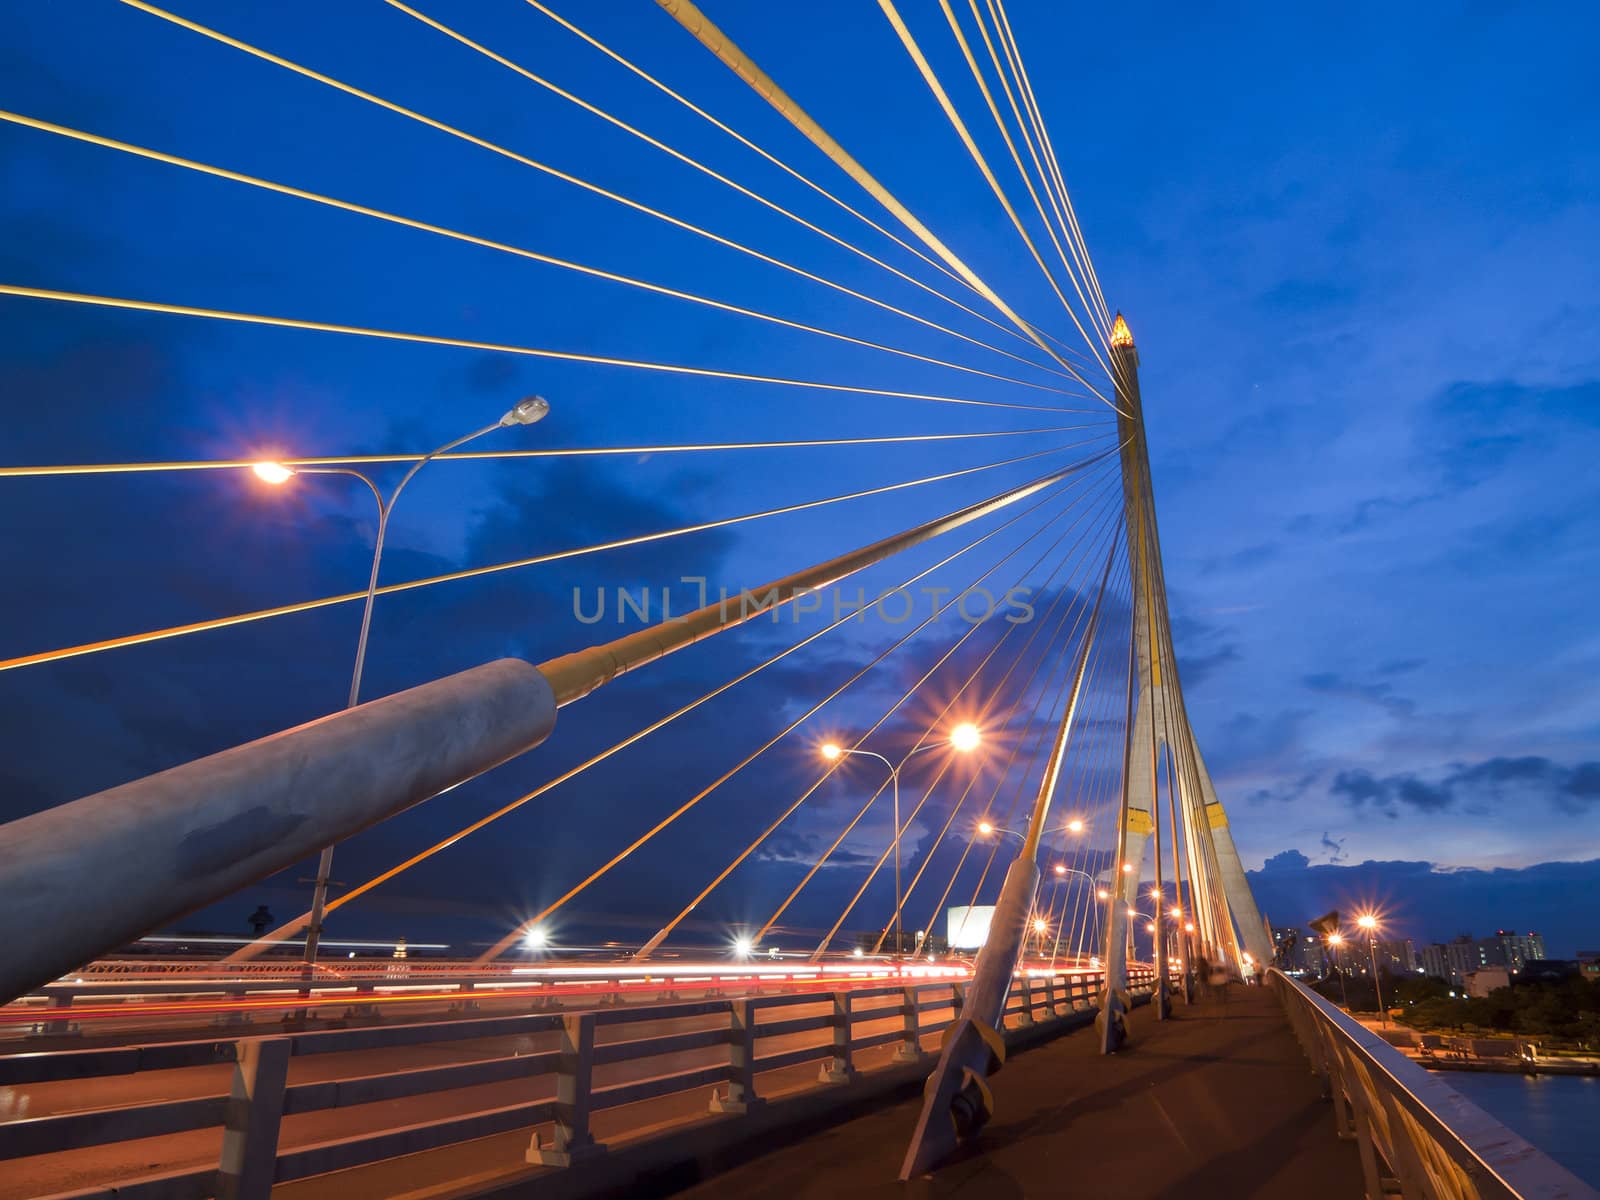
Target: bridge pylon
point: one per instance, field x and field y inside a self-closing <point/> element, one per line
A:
<point x="1157" y="723"/>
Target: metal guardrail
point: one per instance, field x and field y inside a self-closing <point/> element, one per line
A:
<point x="1418" y="1137"/>
<point x="251" y="1161"/>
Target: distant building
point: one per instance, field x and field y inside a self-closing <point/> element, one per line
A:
<point x="1514" y="950"/>
<point x="1485" y="980"/>
<point x="1433" y="962"/>
<point x="1398" y="957"/>
<point x="1589" y="964"/>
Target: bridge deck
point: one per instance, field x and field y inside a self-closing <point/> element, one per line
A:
<point x="1218" y="1101"/>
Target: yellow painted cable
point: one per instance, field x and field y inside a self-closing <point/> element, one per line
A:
<point x="426" y="339"/>
<point x="698" y="24"/>
<point x="545" y="168"/>
<point x="1022" y="172"/>
<point x="628" y="64"/>
<point x="156" y="635"/>
<point x="221" y="464"/>
<point x="490" y="244"/>
<point x="687" y="160"/>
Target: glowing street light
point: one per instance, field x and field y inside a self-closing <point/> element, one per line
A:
<point x="1369" y="922"/>
<point x="1102" y="894"/>
<point x="963" y="738"/>
<point x="536" y="939"/>
<point x="1176" y="912"/>
<point x="1040" y="925"/>
<point x="526" y="412"/>
<point x="742" y="947"/>
<point x="271" y="472"/>
<point x="1075" y="825"/>
<point x="1061" y="869"/>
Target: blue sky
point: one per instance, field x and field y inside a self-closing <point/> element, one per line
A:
<point x="1359" y="260"/>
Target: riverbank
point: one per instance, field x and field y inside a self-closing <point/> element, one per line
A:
<point x="1440" y="1051"/>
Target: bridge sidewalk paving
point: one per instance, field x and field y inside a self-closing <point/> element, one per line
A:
<point x="1219" y="1101"/>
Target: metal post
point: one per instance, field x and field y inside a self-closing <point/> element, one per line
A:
<point x="841" y="1067"/>
<point x="910" y="1047"/>
<point x="956" y="1100"/>
<point x="741" y="1097"/>
<point x="1377" y="988"/>
<point x="255" y="1111"/>
<point x="574" y="1085"/>
<point x="319" y="892"/>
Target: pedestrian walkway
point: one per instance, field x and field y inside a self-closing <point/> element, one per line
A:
<point x="1219" y="1101"/>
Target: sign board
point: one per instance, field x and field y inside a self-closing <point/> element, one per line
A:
<point x="968" y="928"/>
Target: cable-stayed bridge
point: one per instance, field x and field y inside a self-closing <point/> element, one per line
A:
<point x="941" y="569"/>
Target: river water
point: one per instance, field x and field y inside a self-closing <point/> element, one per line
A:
<point x="1560" y="1114"/>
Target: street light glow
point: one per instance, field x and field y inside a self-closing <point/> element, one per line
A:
<point x="1127" y="868"/>
<point x="1040" y="925"/>
<point x="831" y="752"/>
<point x="742" y="947"/>
<point x="1102" y="894"/>
<point x="965" y="736"/>
<point x="1060" y="869"/>
<point x="1151" y="927"/>
<point x="271" y="472"/>
<point x="1176" y="912"/>
<point x="535" y="939"/>
<point x="1367" y="921"/>
<point x="985" y="828"/>
<point x="1336" y="939"/>
<point x="1075" y="826"/>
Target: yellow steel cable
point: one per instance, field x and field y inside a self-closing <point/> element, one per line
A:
<point x="290" y="928"/>
<point x="428" y="339"/>
<point x="694" y="800"/>
<point x="1025" y="85"/>
<point x="491" y="244"/>
<point x="979" y="720"/>
<point x="565" y="177"/>
<point x="677" y="154"/>
<point x="849" y="907"/>
<point x="696" y="22"/>
<point x="667" y="929"/>
<point x="1027" y="179"/>
<point x="1099" y="319"/>
<point x="1011" y="711"/>
<point x="620" y="60"/>
<point x="931" y="78"/>
<point x="220" y="464"/>
<point x="156" y="635"/>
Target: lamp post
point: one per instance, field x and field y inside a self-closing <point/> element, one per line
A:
<point x="1336" y="940"/>
<point x="526" y="412"/>
<point x="1370" y="923"/>
<point x="964" y="737"/>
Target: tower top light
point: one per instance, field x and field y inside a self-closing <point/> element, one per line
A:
<point x="1121" y="335"/>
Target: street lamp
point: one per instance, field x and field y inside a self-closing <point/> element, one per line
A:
<point x="526" y="412"/>
<point x="963" y="737"/>
<point x="1336" y="940"/>
<point x="1370" y="923"/>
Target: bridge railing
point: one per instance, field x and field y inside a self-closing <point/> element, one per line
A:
<point x="1417" y="1136"/>
<point x="738" y="1032"/>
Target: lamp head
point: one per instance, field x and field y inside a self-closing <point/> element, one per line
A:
<point x="831" y="752"/>
<point x="965" y="736"/>
<point x="527" y="411"/>
<point x="1075" y="825"/>
<point x="272" y="472"/>
<point x="985" y="828"/>
<point x="1040" y="925"/>
<point x="1367" y="921"/>
<point x="1060" y="869"/>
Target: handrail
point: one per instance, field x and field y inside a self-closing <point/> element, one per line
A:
<point x="1418" y="1137"/>
<point x="252" y="1162"/>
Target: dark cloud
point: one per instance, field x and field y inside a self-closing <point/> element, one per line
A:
<point x="1330" y="683"/>
<point x="1287" y="860"/>
<point x="1401" y="666"/>
<point x="1425" y="902"/>
<point x="1573" y="789"/>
